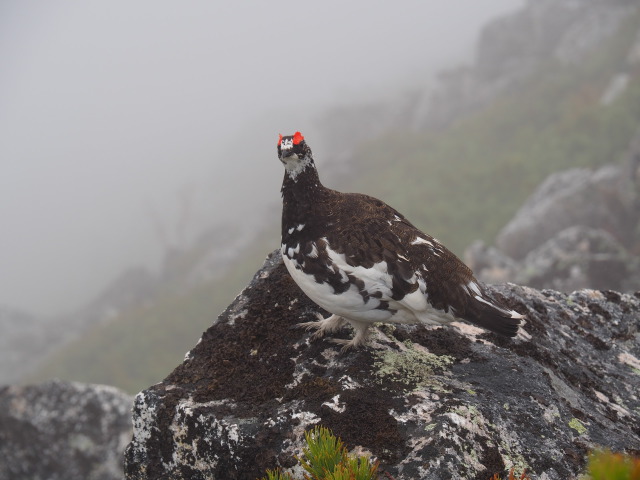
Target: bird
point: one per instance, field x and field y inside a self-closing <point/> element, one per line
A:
<point x="364" y="262"/>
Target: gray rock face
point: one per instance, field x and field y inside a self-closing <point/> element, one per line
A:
<point x="63" y="431"/>
<point x="579" y="229"/>
<point x="600" y="199"/>
<point x="577" y="257"/>
<point x="428" y="402"/>
<point x="490" y="264"/>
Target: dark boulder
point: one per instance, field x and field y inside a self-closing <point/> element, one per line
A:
<point x="428" y="402"/>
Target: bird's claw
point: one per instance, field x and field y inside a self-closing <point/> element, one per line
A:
<point x="346" y="344"/>
<point x="318" y="334"/>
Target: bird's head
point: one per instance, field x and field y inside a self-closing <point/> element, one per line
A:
<point x="294" y="153"/>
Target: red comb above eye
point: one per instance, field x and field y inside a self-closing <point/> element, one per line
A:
<point x="297" y="138"/>
<point x="280" y="139"/>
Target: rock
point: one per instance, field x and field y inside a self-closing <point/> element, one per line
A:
<point x="428" y="402"/>
<point x="577" y="257"/>
<point x="599" y="199"/>
<point x="579" y="229"/>
<point x="489" y="264"/>
<point x="62" y="430"/>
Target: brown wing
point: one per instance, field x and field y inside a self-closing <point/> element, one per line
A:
<point x="371" y="232"/>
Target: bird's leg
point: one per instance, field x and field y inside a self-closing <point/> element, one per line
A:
<point x="360" y="338"/>
<point x="323" y="325"/>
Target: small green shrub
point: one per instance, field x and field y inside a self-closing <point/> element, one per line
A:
<point x="324" y="452"/>
<point x="605" y="465"/>
<point x="326" y="458"/>
<point x="353" y="468"/>
<point x="277" y="475"/>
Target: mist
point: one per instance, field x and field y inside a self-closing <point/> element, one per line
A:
<point x="115" y="114"/>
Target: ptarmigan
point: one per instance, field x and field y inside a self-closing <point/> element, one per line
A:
<point x="361" y="260"/>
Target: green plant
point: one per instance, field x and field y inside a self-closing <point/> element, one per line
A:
<point x="353" y="468"/>
<point x="326" y="458"/>
<point x="324" y="452"/>
<point x="277" y="475"/>
<point x="606" y="465"/>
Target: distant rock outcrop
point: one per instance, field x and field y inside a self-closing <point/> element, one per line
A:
<point x="601" y="199"/>
<point x="511" y="47"/>
<point x="63" y="431"/>
<point x="428" y="402"/>
<point x="577" y="257"/>
<point x="579" y="229"/>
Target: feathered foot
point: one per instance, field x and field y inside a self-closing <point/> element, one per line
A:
<point x="323" y="325"/>
<point x="360" y="338"/>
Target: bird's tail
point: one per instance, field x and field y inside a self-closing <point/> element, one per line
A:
<point x="487" y="313"/>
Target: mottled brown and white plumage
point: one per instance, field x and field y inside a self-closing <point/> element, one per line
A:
<point x="361" y="260"/>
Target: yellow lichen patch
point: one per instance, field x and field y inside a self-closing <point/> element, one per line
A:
<point x="413" y="366"/>
<point x="577" y="426"/>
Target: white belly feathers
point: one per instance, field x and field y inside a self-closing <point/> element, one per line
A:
<point x="351" y="304"/>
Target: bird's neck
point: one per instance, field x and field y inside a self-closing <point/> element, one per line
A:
<point x="301" y="193"/>
<point x="301" y="182"/>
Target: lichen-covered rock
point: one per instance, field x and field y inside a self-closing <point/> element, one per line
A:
<point x="428" y="402"/>
<point x="63" y="431"/>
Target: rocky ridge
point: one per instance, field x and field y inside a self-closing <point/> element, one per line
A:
<point x="428" y="402"/>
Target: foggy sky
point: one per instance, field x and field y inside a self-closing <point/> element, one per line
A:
<point x="109" y="110"/>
